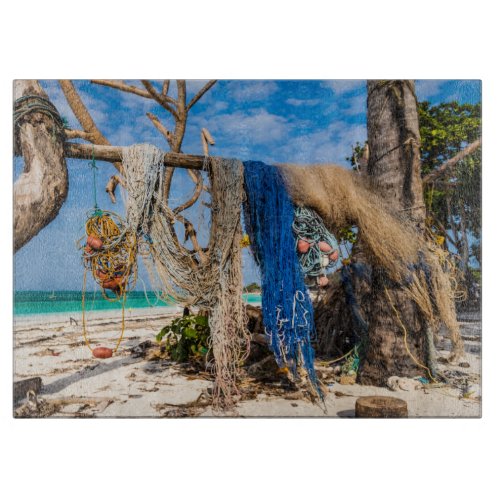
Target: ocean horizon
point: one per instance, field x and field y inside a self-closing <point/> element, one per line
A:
<point x="50" y="302"/>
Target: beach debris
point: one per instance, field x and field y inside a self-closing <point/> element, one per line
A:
<point x="347" y="379"/>
<point x="35" y="407"/>
<point x="22" y="387"/>
<point x="396" y="383"/>
<point x="380" y="407"/>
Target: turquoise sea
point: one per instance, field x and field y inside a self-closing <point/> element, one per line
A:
<point x="43" y="302"/>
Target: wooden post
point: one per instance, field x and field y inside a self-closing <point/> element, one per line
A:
<point x="381" y="407"/>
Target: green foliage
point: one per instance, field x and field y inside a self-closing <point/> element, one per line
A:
<point x="446" y="129"/>
<point x="357" y="153"/>
<point x="186" y="337"/>
<point x="348" y="235"/>
<point x="252" y="287"/>
<point x="453" y="201"/>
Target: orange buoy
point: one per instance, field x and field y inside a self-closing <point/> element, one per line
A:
<point x="94" y="242"/>
<point x="322" y="281"/>
<point x="102" y="275"/>
<point x="334" y="255"/>
<point x="303" y="246"/>
<point x="102" y="352"/>
<point x="112" y="284"/>
<point x="325" y="247"/>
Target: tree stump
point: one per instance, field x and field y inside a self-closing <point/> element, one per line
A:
<point x="381" y="407"/>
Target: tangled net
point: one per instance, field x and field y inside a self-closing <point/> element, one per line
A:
<point x="317" y="248"/>
<point x="212" y="279"/>
<point x="110" y="256"/>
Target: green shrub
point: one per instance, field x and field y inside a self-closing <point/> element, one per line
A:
<point x="186" y="337"/>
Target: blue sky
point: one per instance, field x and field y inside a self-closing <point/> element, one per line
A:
<point x="297" y="121"/>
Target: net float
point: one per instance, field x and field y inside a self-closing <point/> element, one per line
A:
<point x="102" y="352"/>
<point x="88" y="250"/>
<point x="322" y="281"/>
<point x="94" y="242"/>
<point x="325" y="261"/>
<point x="102" y="275"/>
<point x="334" y="255"/>
<point x="303" y="246"/>
<point x="325" y="247"/>
<point x="112" y="284"/>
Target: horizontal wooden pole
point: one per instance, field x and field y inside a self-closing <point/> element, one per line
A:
<point x="115" y="154"/>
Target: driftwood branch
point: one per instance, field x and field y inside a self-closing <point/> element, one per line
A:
<point x="83" y="116"/>
<point x="78" y="134"/>
<point x="163" y="100"/>
<point x="114" y="154"/>
<point x="447" y="165"/>
<point x="201" y="93"/>
<point x="161" y="128"/>
<point x="41" y="189"/>
<point x="111" y="186"/>
<point x="119" y="85"/>
<point x="196" y="194"/>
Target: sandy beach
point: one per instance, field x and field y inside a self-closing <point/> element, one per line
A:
<point x="139" y="382"/>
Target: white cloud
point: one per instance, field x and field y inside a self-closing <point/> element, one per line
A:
<point x="343" y="86"/>
<point x="251" y="90"/>
<point x="426" y="89"/>
<point x="356" y="105"/>
<point x="302" y="102"/>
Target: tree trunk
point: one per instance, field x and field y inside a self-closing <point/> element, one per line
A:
<point x="42" y="188"/>
<point x="396" y="326"/>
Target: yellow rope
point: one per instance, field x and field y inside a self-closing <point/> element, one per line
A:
<point x="110" y="254"/>
<point x="415" y="360"/>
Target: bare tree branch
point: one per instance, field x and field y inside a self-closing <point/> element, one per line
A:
<point x="119" y="85"/>
<point x="114" y="154"/>
<point x="83" y="116"/>
<point x="201" y="93"/>
<point x="163" y="130"/>
<point x="113" y="182"/>
<point x="447" y="165"/>
<point x="165" y="87"/>
<point x="163" y="100"/>
<point x="78" y="134"/>
<point x="195" y="196"/>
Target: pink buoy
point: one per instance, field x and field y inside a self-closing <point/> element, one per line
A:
<point x="325" y="247"/>
<point x="334" y="256"/>
<point x="94" y="242"/>
<point x="322" y="281"/>
<point x="303" y="246"/>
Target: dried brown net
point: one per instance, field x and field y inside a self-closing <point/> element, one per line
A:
<point x="340" y="197"/>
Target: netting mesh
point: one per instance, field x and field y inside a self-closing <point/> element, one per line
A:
<point x="212" y="280"/>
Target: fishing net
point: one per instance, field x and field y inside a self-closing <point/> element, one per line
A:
<point x="212" y="278"/>
<point x="341" y="199"/>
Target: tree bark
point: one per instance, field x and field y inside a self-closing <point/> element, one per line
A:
<point x="394" y="171"/>
<point x="42" y="188"/>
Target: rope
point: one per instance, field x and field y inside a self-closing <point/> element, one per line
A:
<point x="110" y="254"/>
<point x="84" y="322"/>
<point x="405" y="337"/>
<point x="25" y="105"/>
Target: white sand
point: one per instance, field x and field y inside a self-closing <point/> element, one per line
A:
<point x="128" y="386"/>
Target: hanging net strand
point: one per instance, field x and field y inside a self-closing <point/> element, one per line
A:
<point x="215" y="284"/>
<point x="286" y="305"/>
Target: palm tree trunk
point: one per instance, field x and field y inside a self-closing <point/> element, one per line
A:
<point x="396" y="326"/>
